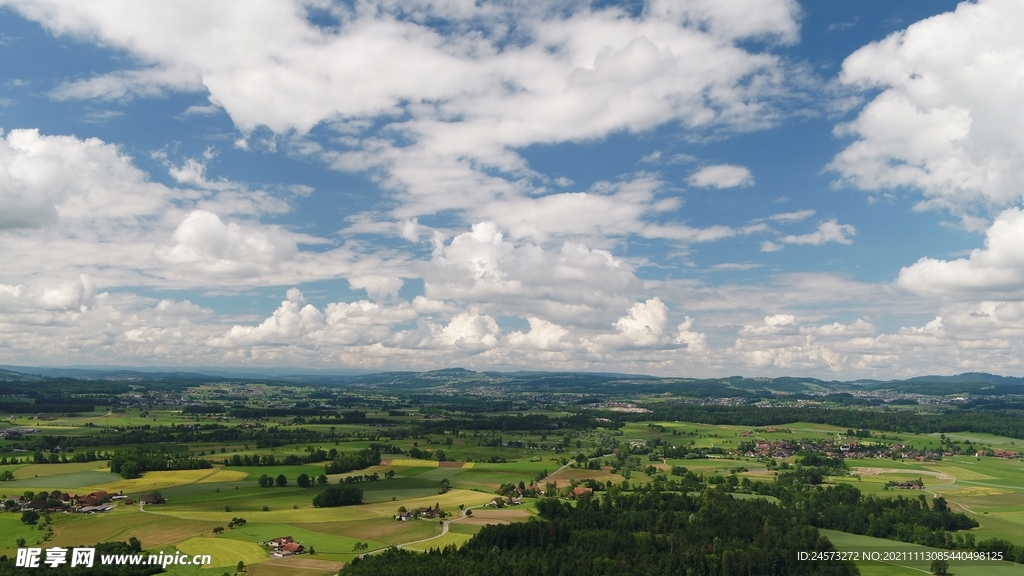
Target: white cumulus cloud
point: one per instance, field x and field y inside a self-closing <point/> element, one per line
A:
<point x="722" y="176"/>
<point x="995" y="270"/>
<point x="947" y="121"/>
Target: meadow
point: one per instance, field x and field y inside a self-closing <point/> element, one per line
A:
<point x="988" y="489"/>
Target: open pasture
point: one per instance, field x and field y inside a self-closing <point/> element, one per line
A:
<point x="73" y="481"/>
<point x="447" y="540"/>
<point x="564" y="477"/>
<point x="162" y="479"/>
<point x="40" y="470"/>
<point x="295" y="566"/>
<point x="124" y="522"/>
<point x="844" y="541"/>
<point x="484" y="516"/>
<point x="11" y="529"/>
<point x="224" y="552"/>
<point x="386" y="530"/>
<point x="290" y="472"/>
<point x="324" y="543"/>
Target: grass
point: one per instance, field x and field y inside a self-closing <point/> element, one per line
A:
<point x="225" y="551"/>
<point x="854" y="542"/>
<point x="324" y="543"/>
<point x="72" y="481"/>
<point x="154" y="530"/>
<point x="290" y="472"/>
<point x="456" y="538"/>
<point x="34" y="470"/>
<point x="300" y="566"/>
<point x="11" y="529"/>
<point x="386" y="530"/>
<point x="167" y="478"/>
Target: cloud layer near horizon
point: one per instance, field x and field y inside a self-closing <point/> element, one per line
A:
<point x="438" y="104"/>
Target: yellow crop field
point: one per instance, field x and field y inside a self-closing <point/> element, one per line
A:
<point x="413" y="463"/>
<point x="449" y="501"/>
<point x="225" y="551"/>
<point x="160" y="480"/>
<point x="222" y="475"/>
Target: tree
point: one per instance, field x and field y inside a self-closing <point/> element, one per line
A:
<point x="445" y="486"/>
<point x="312" y="551"/>
<point x="218" y="529"/>
<point x="281" y="481"/>
<point x="322" y="479"/>
<point x="29" y="517"/>
<point x="266" y="481"/>
<point x="240" y="567"/>
<point x="338" y="496"/>
<point x="940" y="567"/>
<point x="303" y="481"/>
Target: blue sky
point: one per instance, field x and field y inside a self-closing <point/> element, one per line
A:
<point x="669" y="187"/>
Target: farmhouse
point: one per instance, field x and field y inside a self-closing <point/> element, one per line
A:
<point x="285" y="546"/>
<point x="426" y="512"/>
<point x="581" y="492"/>
<point x="151" y="499"/>
<point x="94" y="499"/>
<point x="279" y="542"/>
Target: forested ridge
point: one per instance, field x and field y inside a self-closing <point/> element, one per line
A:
<point x="644" y="533"/>
<point x="1008" y="423"/>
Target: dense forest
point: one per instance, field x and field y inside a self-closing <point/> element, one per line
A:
<point x="633" y="534"/>
<point x="1003" y="423"/>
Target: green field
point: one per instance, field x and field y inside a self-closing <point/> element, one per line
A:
<point x="224" y="551"/>
<point x="990" y="490"/>
<point x="852" y="542"/>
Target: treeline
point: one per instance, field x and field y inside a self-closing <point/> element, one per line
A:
<point x="636" y="534"/>
<point x="255" y="413"/>
<point x="990" y="422"/>
<point x="338" y="496"/>
<point x="270" y="460"/>
<point x="56" y="405"/>
<point x="134" y="463"/>
<point x="842" y="507"/>
<point x="188" y="434"/>
<point x="348" y="462"/>
<point x="519" y="422"/>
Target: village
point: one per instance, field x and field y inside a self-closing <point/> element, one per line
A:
<point x="853" y="447"/>
<point x="95" y="502"/>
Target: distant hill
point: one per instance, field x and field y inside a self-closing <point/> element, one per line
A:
<point x="566" y="382"/>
